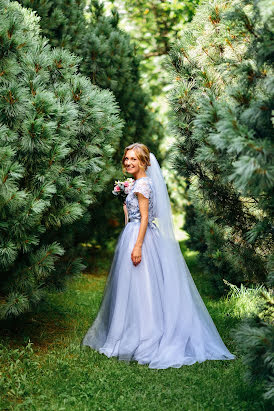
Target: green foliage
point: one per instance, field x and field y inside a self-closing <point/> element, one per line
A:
<point x="222" y="99"/>
<point x="42" y="366"/>
<point x="154" y="26"/>
<point x="255" y="338"/>
<point x="108" y="57"/>
<point x="157" y="23"/>
<point x="245" y="302"/>
<point x="58" y="133"/>
<point x="255" y="335"/>
<point x="109" y="60"/>
<point x="222" y="102"/>
<point x="62" y="24"/>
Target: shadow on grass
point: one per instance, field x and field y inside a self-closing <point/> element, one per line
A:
<point x="42" y="327"/>
<point x="202" y="279"/>
<point x="97" y="260"/>
<point x="57" y="315"/>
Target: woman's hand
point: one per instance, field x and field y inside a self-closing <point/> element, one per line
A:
<point x="136" y="255"/>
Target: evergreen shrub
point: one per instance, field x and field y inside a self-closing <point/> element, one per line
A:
<point x="109" y="59"/>
<point x="222" y="103"/>
<point x="255" y="340"/>
<point x="57" y="136"/>
<point x="222" y="100"/>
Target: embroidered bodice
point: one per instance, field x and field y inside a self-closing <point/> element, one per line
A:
<point x="144" y="186"/>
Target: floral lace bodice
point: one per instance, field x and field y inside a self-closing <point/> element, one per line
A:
<point x="144" y="186"/>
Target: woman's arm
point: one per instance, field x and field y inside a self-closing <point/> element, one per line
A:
<point x="136" y="255"/>
<point x="126" y="213"/>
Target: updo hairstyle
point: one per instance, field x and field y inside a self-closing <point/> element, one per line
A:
<point x="142" y="153"/>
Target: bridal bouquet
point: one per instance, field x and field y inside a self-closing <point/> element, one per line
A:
<point x="122" y="188"/>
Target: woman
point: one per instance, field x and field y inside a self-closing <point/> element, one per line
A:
<point x="151" y="311"/>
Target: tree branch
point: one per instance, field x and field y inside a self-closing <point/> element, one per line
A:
<point x="155" y="53"/>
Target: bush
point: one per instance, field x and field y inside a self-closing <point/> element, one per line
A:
<point x="222" y="100"/>
<point x="255" y="339"/>
<point x="109" y="59"/>
<point x="58" y="133"/>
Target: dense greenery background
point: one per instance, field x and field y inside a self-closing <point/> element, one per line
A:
<point x="80" y="80"/>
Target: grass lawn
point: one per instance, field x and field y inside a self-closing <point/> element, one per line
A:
<point x="44" y="367"/>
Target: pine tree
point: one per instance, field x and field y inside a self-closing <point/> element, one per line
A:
<point x="58" y="133"/>
<point x="255" y="340"/>
<point x="222" y="102"/>
<point x="63" y="23"/>
<point x="109" y="59"/>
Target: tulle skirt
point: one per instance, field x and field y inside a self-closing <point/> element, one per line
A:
<point x="152" y="312"/>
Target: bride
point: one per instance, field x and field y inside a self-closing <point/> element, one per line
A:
<point x="151" y="311"/>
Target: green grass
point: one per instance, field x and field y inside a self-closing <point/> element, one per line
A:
<point x="44" y="367"/>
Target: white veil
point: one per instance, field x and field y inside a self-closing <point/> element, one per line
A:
<point x="161" y="198"/>
<point x="185" y="314"/>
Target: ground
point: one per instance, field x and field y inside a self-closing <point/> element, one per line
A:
<point x="44" y="367"/>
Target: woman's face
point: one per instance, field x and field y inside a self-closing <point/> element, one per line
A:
<point x="131" y="162"/>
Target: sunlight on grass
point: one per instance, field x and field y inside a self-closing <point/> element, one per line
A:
<point x="178" y="221"/>
<point x="244" y="302"/>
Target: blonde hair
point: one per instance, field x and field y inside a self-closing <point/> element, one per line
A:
<point x="142" y="153"/>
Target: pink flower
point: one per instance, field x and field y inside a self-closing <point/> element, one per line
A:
<point x="126" y="183"/>
<point x="117" y="188"/>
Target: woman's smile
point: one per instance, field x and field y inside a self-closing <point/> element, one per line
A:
<point x="132" y="165"/>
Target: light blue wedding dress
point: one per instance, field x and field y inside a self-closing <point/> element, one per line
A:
<point x="152" y="312"/>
